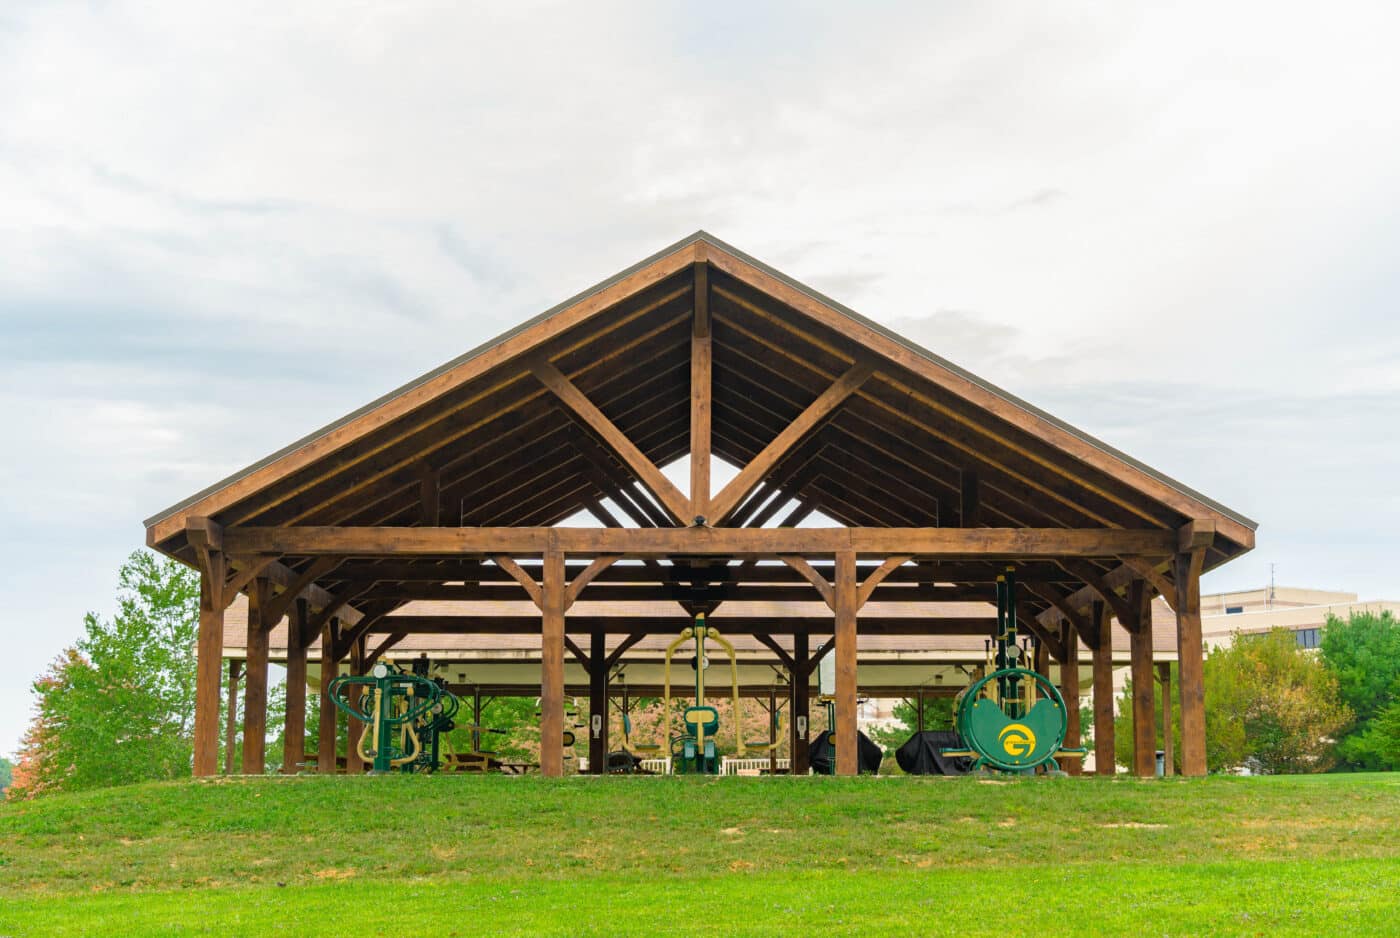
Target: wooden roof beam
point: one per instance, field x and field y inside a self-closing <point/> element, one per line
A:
<point x="646" y="472"/>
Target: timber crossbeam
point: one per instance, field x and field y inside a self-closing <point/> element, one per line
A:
<point x="698" y="540"/>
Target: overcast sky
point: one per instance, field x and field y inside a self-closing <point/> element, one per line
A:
<point x="221" y="228"/>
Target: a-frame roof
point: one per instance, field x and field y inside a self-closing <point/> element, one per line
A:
<point x="503" y="451"/>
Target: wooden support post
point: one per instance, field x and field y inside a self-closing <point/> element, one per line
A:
<point x="1105" y="759"/>
<point x="294" y="732"/>
<point x="1069" y="690"/>
<point x="847" y="602"/>
<point x="1144" y="681"/>
<point x="701" y="359"/>
<point x="235" y="671"/>
<point x="773" y="731"/>
<point x="1164" y="677"/>
<point x="970" y="507"/>
<point x="552" y="667"/>
<point x="326" y="732"/>
<point x="598" y="704"/>
<point x="1190" y="662"/>
<point x="1041" y="658"/>
<point x="919" y="718"/>
<point x="354" y="765"/>
<point x="799" y="761"/>
<point x="255" y="683"/>
<point x="209" y="668"/>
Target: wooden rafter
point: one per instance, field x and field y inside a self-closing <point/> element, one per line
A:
<point x="662" y="488"/>
<point x="742" y="484"/>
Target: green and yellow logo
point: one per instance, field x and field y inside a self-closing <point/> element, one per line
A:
<point x="1017" y="739"/>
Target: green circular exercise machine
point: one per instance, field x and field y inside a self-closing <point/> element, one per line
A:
<point x="405" y="713"/>
<point x="1012" y="719"/>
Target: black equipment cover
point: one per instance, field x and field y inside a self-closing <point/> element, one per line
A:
<point x="822" y="755"/>
<point x="920" y="754"/>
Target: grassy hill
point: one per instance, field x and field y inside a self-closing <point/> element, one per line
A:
<point x="630" y="856"/>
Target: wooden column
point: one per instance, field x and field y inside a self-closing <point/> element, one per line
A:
<point x="1069" y="690"/>
<point x="552" y="666"/>
<point x="773" y="731"/>
<point x="255" y="682"/>
<point x="970" y="501"/>
<point x="354" y="729"/>
<point x="798" y="760"/>
<point x="598" y="704"/>
<point x="209" y="668"/>
<point x="1190" y="662"/>
<point x="847" y="603"/>
<point x="700" y="398"/>
<point x="235" y="671"/>
<point x="1105" y="761"/>
<point x="1144" y="681"/>
<point x="326" y="731"/>
<point x="1164" y="677"/>
<point x="294" y="731"/>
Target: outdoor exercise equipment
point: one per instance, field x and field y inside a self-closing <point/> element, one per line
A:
<point x="693" y="749"/>
<point x="405" y="714"/>
<point x="1011" y="719"/>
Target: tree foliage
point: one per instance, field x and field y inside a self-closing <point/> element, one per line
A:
<point x="1363" y="651"/>
<point x="938" y="715"/>
<point x="6" y="772"/>
<point x="1123" y="719"/>
<point x="118" y="706"/>
<point x="1271" y="706"/>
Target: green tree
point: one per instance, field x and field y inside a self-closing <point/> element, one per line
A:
<point x="1363" y="652"/>
<point x="6" y="773"/>
<point x="119" y="705"/>
<point x="1271" y="706"/>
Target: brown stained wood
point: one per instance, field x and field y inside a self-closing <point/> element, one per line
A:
<point x="1164" y="678"/>
<point x="1144" y="719"/>
<point x="874" y="579"/>
<point x="1190" y="662"/>
<point x="742" y="484"/>
<point x="1069" y="690"/>
<point x="1049" y="637"/>
<point x="846" y="606"/>
<point x="532" y="589"/>
<point x="1196" y="535"/>
<point x="384" y="647"/>
<point x="581" y="582"/>
<point x="255" y="684"/>
<point x="799" y="727"/>
<point x="326" y="729"/>
<point x="430" y="495"/>
<point x="701" y="370"/>
<point x="1099" y="585"/>
<point x="552" y="667"/>
<point x="1147" y="569"/>
<point x="209" y="664"/>
<point x="818" y="581"/>
<point x="598" y="705"/>
<point x="581" y="656"/>
<point x="970" y="500"/>
<point x="426" y="391"/>
<point x="964" y="388"/>
<point x="922" y="542"/>
<point x="278" y="605"/>
<point x="672" y="624"/>
<point x="768" y="642"/>
<point x="1076" y="620"/>
<point x="623" y="647"/>
<point x="235" y="672"/>
<point x="1105" y="759"/>
<point x="248" y="568"/>
<point x="616" y="441"/>
<point x="354" y="764"/>
<point x="294" y="731"/>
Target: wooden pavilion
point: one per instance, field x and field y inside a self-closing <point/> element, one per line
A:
<point x="457" y="488"/>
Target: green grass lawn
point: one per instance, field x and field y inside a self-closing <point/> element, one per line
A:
<point x="635" y="856"/>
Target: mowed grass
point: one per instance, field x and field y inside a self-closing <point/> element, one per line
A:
<point x="632" y="856"/>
